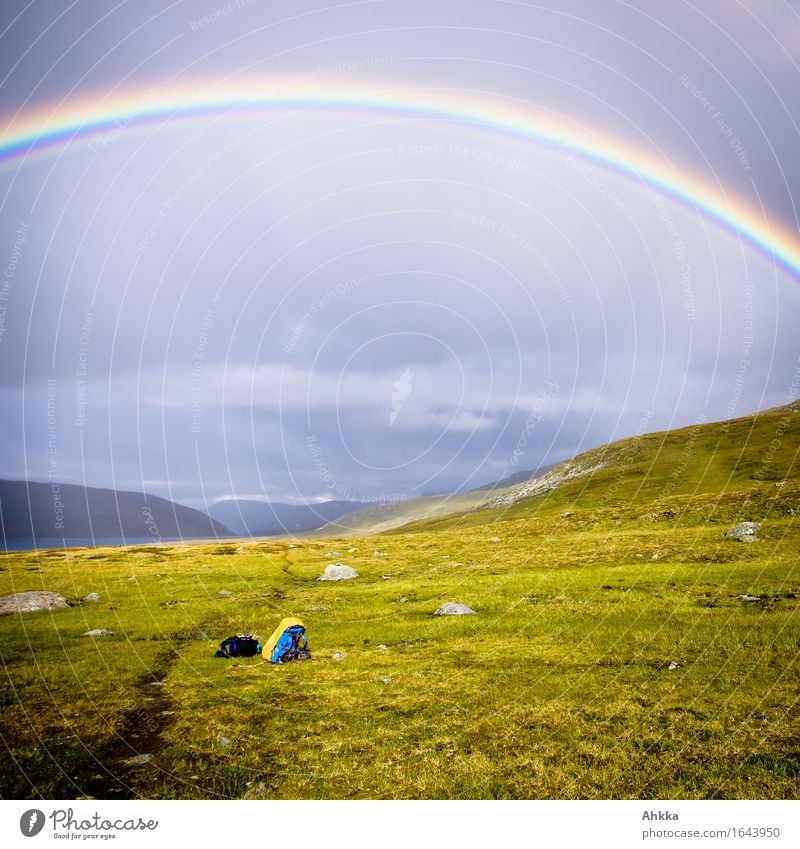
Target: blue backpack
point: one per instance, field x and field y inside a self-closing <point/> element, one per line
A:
<point x="292" y="645"/>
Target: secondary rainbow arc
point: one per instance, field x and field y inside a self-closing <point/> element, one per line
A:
<point x="33" y="133"/>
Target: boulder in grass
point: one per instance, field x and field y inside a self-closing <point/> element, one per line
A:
<point x="338" y="572"/>
<point x="138" y="760"/>
<point x="98" y="632"/>
<point x="452" y="608"/>
<point x="91" y="597"/>
<point x="743" y="532"/>
<point x="30" y="601"/>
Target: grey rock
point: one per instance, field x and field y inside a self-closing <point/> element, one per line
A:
<point x="494" y="539"/>
<point x="138" y="760"/>
<point x="385" y="680"/>
<point x="98" y="632"/>
<point x="31" y="601"/>
<point x="743" y="532"/>
<point x="382" y="647"/>
<point x="337" y="655"/>
<point x="259" y="791"/>
<point x="338" y="572"/>
<point x="223" y="741"/>
<point x="673" y="665"/>
<point x="91" y="597"/>
<point x="747" y="597"/>
<point x="452" y="608"/>
<point x="224" y="593"/>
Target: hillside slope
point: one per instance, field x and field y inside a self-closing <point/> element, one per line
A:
<point x="394" y="514"/>
<point x="752" y="462"/>
<point x="30" y="510"/>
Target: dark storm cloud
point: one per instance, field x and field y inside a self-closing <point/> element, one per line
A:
<point x="359" y="304"/>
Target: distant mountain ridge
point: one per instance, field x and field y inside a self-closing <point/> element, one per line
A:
<point x="30" y="510"/>
<point x="247" y="517"/>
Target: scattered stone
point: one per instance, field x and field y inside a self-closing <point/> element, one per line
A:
<point x="257" y="792"/>
<point x="747" y="597"/>
<point x="673" y="665"/>
<point x="337" y="655"/>
<point x="387" y="577"/>
<point x="452" y="608"/>
<point x="138" y="760"/>
<point x="292" y="546"/>
<point x="91" y="597"/>
<point x="385" y="680"/>
<point x="132" y="578"/>
<point x="494" y="539"/>
<point x="319" y="609"/>
<point x="382" y="647"/>
<point x="379" y="554"/>
<point x="640" y="556"/>
<point x="655" y="555"/>
<point x="333" y="553"/>
<point x="567" y="514"/>
<point x="352" y="550"/>
<point x="224" y="592"/>
<point x="337" y="572"/>
<point x="98" y="632"/>
<point x="31" y="601"/>
<point x="402" y="599"/>
<point x="743" y="532"/>
<point x="223" y="741"/>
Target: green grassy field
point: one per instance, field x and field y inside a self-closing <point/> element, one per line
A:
<point x="611" y="657"/>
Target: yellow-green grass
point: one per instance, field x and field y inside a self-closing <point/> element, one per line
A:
<point x="560" y="687"/>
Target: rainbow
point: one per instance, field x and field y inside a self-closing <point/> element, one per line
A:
<point x="48" y="130"/>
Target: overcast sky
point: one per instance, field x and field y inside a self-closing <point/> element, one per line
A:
<point x="313" y="303"/>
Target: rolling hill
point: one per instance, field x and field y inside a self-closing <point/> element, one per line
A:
<point x="378" y="518"/>
<point x="749" y="463"/>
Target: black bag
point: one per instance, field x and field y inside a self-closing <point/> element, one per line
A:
<point x="242" y="645"/>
